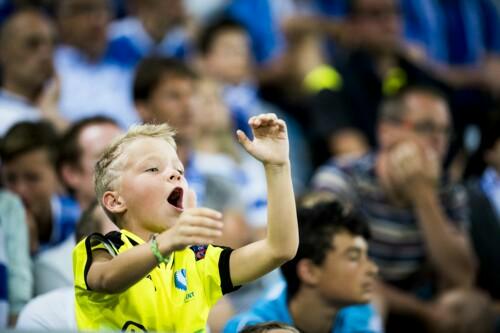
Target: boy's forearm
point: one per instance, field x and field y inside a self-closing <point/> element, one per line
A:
<point x="282" y="229"/>
<point x="282" y="239"/>
<point x="115" y="275"/>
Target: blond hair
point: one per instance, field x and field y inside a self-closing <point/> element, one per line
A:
<point x="109" y="167"/>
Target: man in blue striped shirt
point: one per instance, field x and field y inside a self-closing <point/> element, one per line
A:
<point x="417" y="218"/>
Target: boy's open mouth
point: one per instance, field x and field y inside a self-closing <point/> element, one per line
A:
<point x="175" y="198"/>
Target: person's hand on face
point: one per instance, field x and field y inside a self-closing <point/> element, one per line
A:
<point x="411" y="165"/>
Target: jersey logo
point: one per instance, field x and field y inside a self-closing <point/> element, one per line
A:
<point x="199" y="251"/>
<point x="180" y="279"/>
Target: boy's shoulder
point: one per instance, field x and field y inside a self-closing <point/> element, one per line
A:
<point x="112" y="242"/>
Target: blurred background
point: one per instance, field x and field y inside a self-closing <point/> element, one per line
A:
<point x="74" y="74"/>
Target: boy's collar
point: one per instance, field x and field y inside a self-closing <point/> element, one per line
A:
<point x="133" y="237"/>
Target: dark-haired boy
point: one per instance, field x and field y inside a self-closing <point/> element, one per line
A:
<point x="329" y="281"/>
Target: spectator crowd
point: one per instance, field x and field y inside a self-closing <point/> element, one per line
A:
<point x="392" y="109"/>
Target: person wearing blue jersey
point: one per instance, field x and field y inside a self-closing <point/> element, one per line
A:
<point x="330" y="281"/>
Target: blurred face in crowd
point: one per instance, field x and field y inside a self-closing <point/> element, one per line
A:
<point x="492" y="156"/>
<point x="347" y="275"/>
<point x="33" y="177"/>
<point x="162" y="13"/>
<point x="171" y="102"/>
<point x="212" y="115"/>
<point x="83" y="24"/>
<point x="426" y="119"/>
<point x="228" y="58"/>
<point x="26" y="51"/>
<point x="377" y="24"/>
<point x="93" y="139"/>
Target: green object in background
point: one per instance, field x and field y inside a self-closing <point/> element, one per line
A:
<point x="395" y="79"/>
<point x="323" y="77"/>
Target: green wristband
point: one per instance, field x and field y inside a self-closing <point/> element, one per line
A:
<point x="156" y="251"/>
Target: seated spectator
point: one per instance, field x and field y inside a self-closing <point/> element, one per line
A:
<point x="80" y="148"/>
<point x="55" y="310"/>
<point x="154" y="29"/>
<point x="93" y="81"/>
<point x="16" y="280"/>
<point x="28" y="153"/>
<point x="218" y="152"/>
<point x="225" y="57"/>
<point x="417" y="218"/>
<point x="329" y="282"/>
<point x="27" y="42"/>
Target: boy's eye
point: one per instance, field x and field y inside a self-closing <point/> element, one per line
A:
<point x="181" y="172"/>
<point x="152" y="170"/>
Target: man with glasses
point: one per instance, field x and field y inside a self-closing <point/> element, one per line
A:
<point x="417" y="217"/>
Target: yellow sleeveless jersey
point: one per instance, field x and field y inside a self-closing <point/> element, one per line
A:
<point x="173" y="297"/>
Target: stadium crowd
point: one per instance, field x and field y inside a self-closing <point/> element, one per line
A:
<point x="392" y="109"/>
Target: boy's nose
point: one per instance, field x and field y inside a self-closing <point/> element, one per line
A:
<point x="174" y="176"/>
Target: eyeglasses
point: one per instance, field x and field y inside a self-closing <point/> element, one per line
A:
<point x="425" y="127"/>
<point x="429" y="128"/>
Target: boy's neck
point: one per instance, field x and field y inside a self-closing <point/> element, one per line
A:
<point x="140" y="232"/>
<point x="310" y="313"/>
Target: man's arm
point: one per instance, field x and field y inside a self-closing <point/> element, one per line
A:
<point x="270" y="146"/>
<point x="400" y="302"/>
<point x="416" y="172"/>
<point x="449" y="248"/>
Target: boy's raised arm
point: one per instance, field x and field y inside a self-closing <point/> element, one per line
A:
<point x="270" y="146"/>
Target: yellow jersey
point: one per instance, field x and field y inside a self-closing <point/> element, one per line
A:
<point x="173" y="297"/>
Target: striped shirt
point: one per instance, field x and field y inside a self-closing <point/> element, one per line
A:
<point x="397" y="243"/>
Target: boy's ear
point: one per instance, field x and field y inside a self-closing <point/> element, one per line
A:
<point x="308" y="272"/>
<point x="114" y="202"/>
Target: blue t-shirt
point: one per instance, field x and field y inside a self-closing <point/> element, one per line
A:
<point x="352" y="319"/>
<point x="65" y="215"/>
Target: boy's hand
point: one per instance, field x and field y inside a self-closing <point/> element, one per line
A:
<point x="270" y="143"/>
<point x="195" y="226"/>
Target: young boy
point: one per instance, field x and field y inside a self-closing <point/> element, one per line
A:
<point x="330" y="281"/>
<point x="153" y="276"/>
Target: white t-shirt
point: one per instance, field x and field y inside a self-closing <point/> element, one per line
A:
<point x="14" y="109"/>
<point x="53" y="268"/>
<point x="51" y="311"/>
